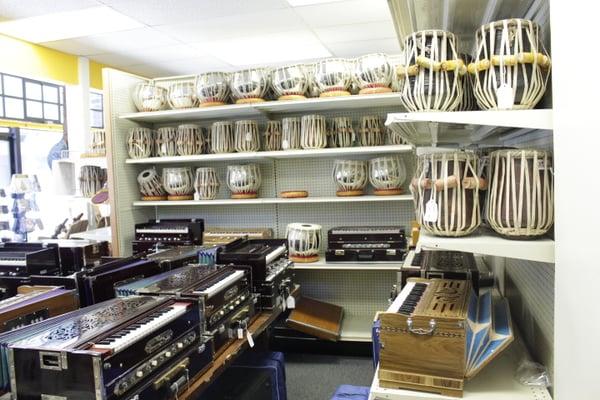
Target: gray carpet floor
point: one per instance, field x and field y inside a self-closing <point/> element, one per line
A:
<point x="316" y="377"/>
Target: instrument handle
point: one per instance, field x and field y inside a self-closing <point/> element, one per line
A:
<point x="421" y="331"/>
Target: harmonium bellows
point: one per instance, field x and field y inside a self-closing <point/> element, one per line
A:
<point x="23" y="259"/>
<point x="437" y="333"/>
<point x="366" y="244"/>
<point x="167" y="233"/>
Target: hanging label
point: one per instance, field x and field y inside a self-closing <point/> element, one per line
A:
<point x="249" y="339"/>
<point x="506" y="97"/>
<point x="248" y="137"/>
<point x="291" y="302"/>
<point x="541" y="164"/>
<point x="285" y="144"/>
<point x="431" y="211"/>
<point x="240" y="333"/>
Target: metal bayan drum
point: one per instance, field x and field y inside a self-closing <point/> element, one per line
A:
<point x="290" y="82"/>
<point x="178" y="183"/>
<point x="290" y="137"/>
<point x="190" y="140"/>
<point x="372" y="131"/>
<point x="430" y="77"/>
<point x="520" y="202"/>
<point x="165" y="141"/>
<point x="182" y="95"/>
<point x="243" y="181"/>
<point x="140" y="142"/>
<point x="373" y="73"/>
<point x="212" y="89"/>
<point x="206" y="183"/>
<point x="273" y="136"/>
<point x="511" y="67"/>
<point x="246" y="137"/>
<point x="341" y="133"/>
<point x="446" y="192"/>
<point x="387" y="174"/>
<point x="150" y="184"/>
<point x="304" y="242"/>
<point x="350" y="177"/>
<point x="250" y="85"/>
<point x="333" y="77"/>
<point x="313" y="132"/>
<point x="221" y="137"/>
<point x="149" y="97"/>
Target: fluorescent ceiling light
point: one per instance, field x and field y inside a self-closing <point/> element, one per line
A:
<point x="300" y="3"/>
<point x="69" y="24"/>
<point x="281" y="47"/>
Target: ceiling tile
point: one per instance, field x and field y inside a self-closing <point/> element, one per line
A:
<point x="344" y="13"/>
<point x="149" y="71"/>
<point x="115" y="60"/>
<point x="345" y="33"/>
<point x="196" y="65"/>
<point x="14" y="9"/>
<point x="361" y="47"/>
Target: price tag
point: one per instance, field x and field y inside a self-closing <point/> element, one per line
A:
<point x="431" y="211"/>
<point x="248" y="137"/>
<point x="240" y="333"/>
<point x="291" y="302"/>
<point x="506" y="97"/>
<point x="285" y="144"/>
<point x="249" y="339"/>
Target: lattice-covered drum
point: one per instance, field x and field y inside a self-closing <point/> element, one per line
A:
<point x="250" y="85"/>
<point x="212" y="89"/>
<point x="243" y="181"/>
<point x="140" y="142"/>
<point x="304" y="242"/>
<point x="520" y="202"/>
<point x="178" y="183"/>
<point x="333" y="77"/>
<point x="446" y="192"/>
<point x="341" y="133"/>
<point x="290" y="82"/>
<point x="467" y="101"/>
<point x="373" y="73"/>
<point x="221" y="137"/>
<point x="165" y="141"/>
<point x="312" y="89"/>
<point x="272" y="136"/>
<point x="92" y="178"/>
<point x="150" y="184"/>
<point x="313" y="133"/>
<point x="246" y="136"/>
<point x="149" y="97"/>
<point x="182" y="95"/>
<point x="387" y="174"/>
<point x="350" y="177"/>
<point x="206" y="183"/>
<point x="290" y="137"/>
<point x="190" y="140"/>
<point x="430" y="77"/>
<point x="371" y="131"/>
<point x="511" y="66"/>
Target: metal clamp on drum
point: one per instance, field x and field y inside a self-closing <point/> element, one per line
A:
<point x="421" y="331"/>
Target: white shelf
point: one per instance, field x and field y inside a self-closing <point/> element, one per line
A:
<point x="266" y="108"/>
<point x="357" y="328"/>
<point x="488" y="243"/>
<point x="350" y="266"/>
<point x="267" y="155"/>
<point x="305" y="200"/>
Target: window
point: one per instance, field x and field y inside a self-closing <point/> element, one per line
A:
<point x="96" y="110"/>
<point x="30" y="100"/>
<point x="10" y="160"/>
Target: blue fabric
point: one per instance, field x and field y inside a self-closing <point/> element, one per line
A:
<point x="375" y="340"/>
<point x="349" y="392"/>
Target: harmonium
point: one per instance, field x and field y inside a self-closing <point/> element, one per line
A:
<point x="437" y="333"/>
<point x="223" y="294"/>
<point x="271" y="269"/>
<point x="138" y="347"/>
<point x="76" y="255"/>
<point x="167" y="233"/>
<point x="223" y="236"/>
<point x="176" y="257"/>
<point x="365" y="244"/>
<point x="23" y="259"/>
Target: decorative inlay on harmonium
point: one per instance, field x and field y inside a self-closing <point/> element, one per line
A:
<point x="167" y="233"/>
<point x="222" y="236"/>
<point x="366" y="243"/>
<point x="23" y="259"/>
<point x="437" y="333"/>
<point x="135" y="347"/>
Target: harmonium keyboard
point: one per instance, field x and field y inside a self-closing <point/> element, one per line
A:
<point x="365" y="244"/>
<point x="128" y="348"/>
<point x="23" y="259"/>
<point x="437" y="333"/>
<point x="271" y="269"/>
<point x="223" y="293"/>
<point x="76" y="255"/>
<point x="167" y="233"/>
<point x="176" y="257"/>
<point x="222" y="236"/>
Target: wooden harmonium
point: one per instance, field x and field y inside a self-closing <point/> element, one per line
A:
<point x="79" y="254"/>
<point x="176" y="257"/>
<point x="142" y="347"/>
<point x="222" y="291"/>
<point x="446" y="264"/>
<point x="271" y="272"/>
<point x="437" y="333"/>
<point x="365" y="244"/>
<point x="23" y="259"/>
<point x="219" y="236"/>
<point x="167" y="233"/>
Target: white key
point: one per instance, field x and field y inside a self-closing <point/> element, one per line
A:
<point x="13" y="262"/>
<point x="272" y="256"/>
<point x="161" y="230"/>
<point x="212" y="290"/>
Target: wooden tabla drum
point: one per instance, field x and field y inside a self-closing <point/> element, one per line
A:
<point x="290" y="136"/>
<point x="350" y="177"/>
<point x="446" y="191"/>
<point x="520" y="202"/>
<point x="165" y="141"/>
<point x="246" y="137"/>
<point x="140" y="142"/>
<point x="178" y="183"/>
<point x="467" y="101"/>
<point x="150" y="184"/>
<point x="511" y="66"/>
<point x="333" y="77"/>
<point x="312" y="89"/>
<point x="98" y="144"/>
<point x="182" y="95"/>
<point x="149" y="97"/>
<point x="290" y="82"/>
<point x="206" y="183"/>
<point x="212" y="89"/>
<point x="313" y="132"/>
<point x="221" y="137"/>
<point x="341" y="133"/>
<point x="272" y="136"/>
<point x="371" y="131"/>
<point x="387" y="174"/>
<point x="430" y="77"/>
<point x="373" y="73"/>
<point x="92" y="179"/>
<point x="243" y="181"/>
<point x="190" y="140"/>
<point x="250" y="85"/>
<point x="304" y="242"/>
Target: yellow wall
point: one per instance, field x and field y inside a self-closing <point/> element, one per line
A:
<point x="96" y="75"/>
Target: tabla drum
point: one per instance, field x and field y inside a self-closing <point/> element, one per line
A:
<point x="98" y="144"/>
<point x="398" y="136"/>
<point x="446" y="193"/>
<point x="150" y="184"/>
<point x="333" y="77"/>
<point x="395" y="60"/>
<point x="250" y="85"/>
<point x="520" y="202"/>
<point x="206" y="183"/>
<point x="312" y="89"/>
<point x="290" y="82"/>
<point x="511" y="66"/>
<point x="304" y="242"/>
<point x="140" y="142"/>
<point x="313" y="132"/>
<point x="221" y="137"/>
<point x="149" y="97"/>
<point x="272" y="136"/>
<point x="165" y="141"/>
<point x="290" y="136"/>
<point x="387" y="174"/>
<point x="350" y="177"/>
<point x="212" y="89"/>
<point x="190" y="140"/>
<point x="372" y="131"/>
<point x="92" y="178"/>
<point x="182" y="95"/>
<point x="430" y="77"/>
<point x="246" y="137"/>
<point x="178" y="183"/>
<point x="341" y="133"/>
<point x="373" y="73"/>
<point x="243" y="181"/>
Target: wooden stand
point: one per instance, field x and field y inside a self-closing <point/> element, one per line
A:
<point x="292" y="97"/>
<point x="212" y="104"/>
<point x="244" y="195"/>
<point x="250" y="100"/>
<point x="293" y="194"/>
<point x="375" y="90"/>
<point x="335" y="93"/>
<point x="304" y="260"/>
<point x="349" y="193"/>
<point x="154" y="198"/>
<point x="182" y="197"/>
<point x="387" y="192"/>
